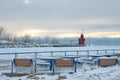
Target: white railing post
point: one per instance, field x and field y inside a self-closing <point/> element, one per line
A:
<point x="113" y="51"/>
<point x="16" y="55"/>
<point x="77" y="53"/>
<point x="51" y="53"/>
<point x="97" y="51"/>
<point x="87" y="53"/>
<point x="105" y="51"/>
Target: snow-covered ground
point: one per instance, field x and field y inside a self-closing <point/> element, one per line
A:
<point x="84" y="72"/>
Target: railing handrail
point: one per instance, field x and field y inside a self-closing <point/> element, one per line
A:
<point x="31" y="52"/>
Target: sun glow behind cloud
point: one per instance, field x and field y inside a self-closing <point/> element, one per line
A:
<point x="32" y="32"/>
<point x="67" y="35"/>
<point x="49" y="33"/>
<point x="27" y="1"/>
<point x="104" y="34"/>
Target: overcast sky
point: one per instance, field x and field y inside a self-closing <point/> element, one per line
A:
<point x="61" y="18"/>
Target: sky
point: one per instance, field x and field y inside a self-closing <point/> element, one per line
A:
<point x="61" y="18"/>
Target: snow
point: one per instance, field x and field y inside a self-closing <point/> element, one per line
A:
<point x="84" y="72"/>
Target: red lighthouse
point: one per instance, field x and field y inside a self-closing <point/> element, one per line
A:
<point x="81" y="40"/>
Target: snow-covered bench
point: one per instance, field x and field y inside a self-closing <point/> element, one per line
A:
<point x="66" y="63"/>
<point x="108" y="61"/>
<point x="22" y="62"/>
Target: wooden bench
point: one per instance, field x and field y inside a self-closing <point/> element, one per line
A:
<point x="105" y="62"/>
<point x="22" y="62"/>
<point x="65" y="63"/>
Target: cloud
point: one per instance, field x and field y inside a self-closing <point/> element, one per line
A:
<point x="61" y="17"/>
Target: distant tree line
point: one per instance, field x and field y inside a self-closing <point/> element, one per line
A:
<point x="26" y="39"/>
<point x="4" y="35"/>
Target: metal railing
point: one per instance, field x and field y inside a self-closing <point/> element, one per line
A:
<point x="66" y="52"/>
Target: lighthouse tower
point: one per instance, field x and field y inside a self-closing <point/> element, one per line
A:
<point x="81" y="40"/>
